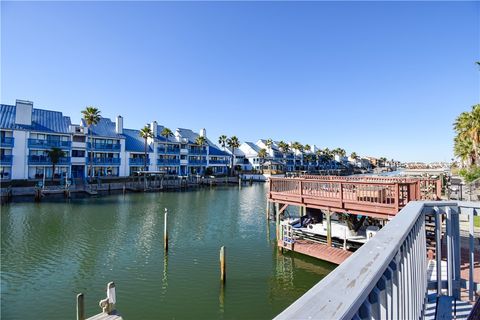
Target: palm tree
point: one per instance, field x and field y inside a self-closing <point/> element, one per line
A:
<point x="55" y="154"/>
<point x="307" y="147"/>
<point x="200" y="141"/>
<point x="146" y="133"/>
<point x="269" y="144"/>
<point x="354" y="156"/>
<point x="222" y="141"/>
<point x="467" y="126"/>
<point x="166" y="133"/>
<point x="284" y="148"/>
<point x="262" y="154"/>
<point x="464" y="150"/>
<point x="91" y="116"/>
<point x="233" y="143"/>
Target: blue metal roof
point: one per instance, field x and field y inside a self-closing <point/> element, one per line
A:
<point x="214" y="151"/>
<point x="104" y="128"/>
<point x="133" y="141"/>
<point x="42" y="120"/>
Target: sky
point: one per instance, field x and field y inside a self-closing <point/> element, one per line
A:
<point x="378" y="78"/>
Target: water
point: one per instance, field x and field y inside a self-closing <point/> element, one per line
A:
<point x="52" y="251"/>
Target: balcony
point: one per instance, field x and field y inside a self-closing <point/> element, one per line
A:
<point x="7" y="142"/>
<point x="48" y="144"/>
<point x="104" y="146"/>
<point x="138" y="161"/>
<point x="197" y="162"/>
<point x="168" y="162"/>
<point x="167" y="150"/>
<point x="45" y="160"/>
<point x="217" y="161"/>
<point x="197" y="151"/>
<point x="104" y="161"/>
<point x="6" y="160"/>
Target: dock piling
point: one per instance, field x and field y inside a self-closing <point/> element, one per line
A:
<point x="223" y="273"/>
<point x="80" y="307"/>
<point x="165" y="231"/>
<point x="329" y="229"/>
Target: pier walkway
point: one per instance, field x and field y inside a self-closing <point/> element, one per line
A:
<point x="390" y="276"/>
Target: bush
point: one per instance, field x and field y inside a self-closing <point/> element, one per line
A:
<point x="470" y="174"/>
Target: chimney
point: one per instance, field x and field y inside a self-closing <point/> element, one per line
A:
<point x="203" y="133"/>
<point x="154" y="128"/>
<point x="177" y="134"/>
<point x="23" y="112"/>
<point x="119" y="125"/>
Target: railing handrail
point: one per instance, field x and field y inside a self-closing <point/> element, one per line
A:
<point x="342" y="292"/>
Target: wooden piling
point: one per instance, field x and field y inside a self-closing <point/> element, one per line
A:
<point x="223" y="273"/>
<point x="268" y="210"/>
<point x="80" y="307"/>
<point x="165" y="231"/>
<point x="329" y="229"/>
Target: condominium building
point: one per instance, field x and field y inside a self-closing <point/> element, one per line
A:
<point x="27" y="134"/>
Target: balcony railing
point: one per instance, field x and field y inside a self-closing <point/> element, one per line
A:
<point x="7" y="142"/>
<point x="168" y="150"/>
<point x="138" y="161"/>
<point x="171" y="162"/>
<point x="197" y="162"/>
<point x="45" y="160"/>
<point x="388" y="277"/>
<point x="104" y="146"/>
<point x="218" y="161"/>
<point x="197" y="151"/>
<point x="6" y="160"/>
<point x="47" y="144"/>
<point x="104" y="161"/>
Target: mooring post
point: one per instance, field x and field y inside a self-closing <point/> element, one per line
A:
<point x="223" y="273"/>
<point x="268" y="210"/>
<point x="80" y="307"/>
<point x="277" y="221"/>
<point x="329" y="229"/>
<point x="165" y="231"/>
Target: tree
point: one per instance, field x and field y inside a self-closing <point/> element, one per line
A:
<point x="262" y="154"/>
<point x="146" y="133"/>
<point x="354" y="156"/>
<point x="55" y="154"/>
<point x="467" y="127"/>
<point x="233" y="143"/>
<point x="463" y="149"/>
<point x="91" y="116"/>
<point x="166" y="133"/>
<point x="200" y="141"/>
<point x="307" y="148"/>
<point x="269" y="144"/>
<point x="222" y="141"/>
<point x="284" y="148"/>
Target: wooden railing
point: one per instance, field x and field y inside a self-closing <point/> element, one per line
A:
<point x="371" y="196"/>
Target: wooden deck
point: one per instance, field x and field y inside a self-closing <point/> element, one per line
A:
<point x="320" y="251"/>
<point x="376" y="197"/>
<point x="105" y="316"/>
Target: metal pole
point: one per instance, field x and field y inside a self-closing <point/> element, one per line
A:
<point x="471" y="296"/>
<point x="80" y="307"/>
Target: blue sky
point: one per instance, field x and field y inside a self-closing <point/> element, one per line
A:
<point x="379" y="78"/>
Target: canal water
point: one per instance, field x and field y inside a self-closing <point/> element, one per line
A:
<point x="52" y="251"/>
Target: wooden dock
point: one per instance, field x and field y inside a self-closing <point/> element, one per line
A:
<point x="319" y="251"/>
<point x="105" y="316"/>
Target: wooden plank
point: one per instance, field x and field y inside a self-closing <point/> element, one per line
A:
<point x="320" y="251"/>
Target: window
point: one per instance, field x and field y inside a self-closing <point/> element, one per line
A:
<point x="78" y="153"/>
<point x="78" y="138"/>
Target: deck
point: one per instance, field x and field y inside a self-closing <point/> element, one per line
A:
<point x="319" y="251"/>
<point x="378" y="197"/>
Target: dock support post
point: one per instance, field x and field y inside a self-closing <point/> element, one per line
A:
<point x="329" y="229"/>
<point x="80" y="307"/>
<point x="345" y="239"/>
<point x="268" y="210"/>
<point x="223" y="273"/>
<point x="277" y="221"/>
<point x="165" y="231"/>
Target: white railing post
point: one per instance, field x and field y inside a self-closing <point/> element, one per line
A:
<point x="471" y="296"/>
<point x="438" y="248"/>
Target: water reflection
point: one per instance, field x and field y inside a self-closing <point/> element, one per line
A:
<point x="60" y="249"/>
